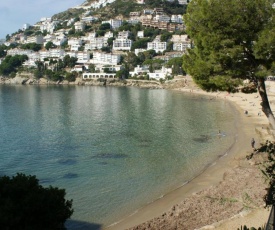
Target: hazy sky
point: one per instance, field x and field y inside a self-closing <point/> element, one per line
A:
<point x="15" y="13"/>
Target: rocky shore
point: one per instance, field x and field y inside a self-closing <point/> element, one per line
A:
<point x="152" y="84"/>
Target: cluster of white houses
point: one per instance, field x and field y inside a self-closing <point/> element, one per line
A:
<point x="86" y="48"/>
<point x="99" y="58"/>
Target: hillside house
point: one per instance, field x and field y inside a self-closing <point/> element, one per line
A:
<point x="96" y="43"/>
<point x="181" y="42"/>
<point x="176" y="18"/>
<point x="161" y="74"/>
<point x="157" y="45"/>
<point x="75" y="44"/>
<point x="79" y="26"/>
<point x="38" y="39"/>
<point x="115" y="23"/>
<point x="83" y="57"/>
<point x="139" y="70"/>
<point x="105" y="58"/>
<point x="122" y="44"/>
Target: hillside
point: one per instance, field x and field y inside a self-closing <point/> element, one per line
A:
<point x="121" y="9"/>
<point x="116" y="38"/>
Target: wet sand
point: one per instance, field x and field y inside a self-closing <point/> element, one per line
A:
<point x="226" y="195"/>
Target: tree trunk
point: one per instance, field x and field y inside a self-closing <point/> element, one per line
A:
<point x="265" y="103"/>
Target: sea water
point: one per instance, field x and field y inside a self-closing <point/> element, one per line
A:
<point x="113" y="149"/>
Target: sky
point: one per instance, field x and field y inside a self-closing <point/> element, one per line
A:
<point x="15" y="13"/>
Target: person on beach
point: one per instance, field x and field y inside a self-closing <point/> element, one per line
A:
<point x="253" y="143"/>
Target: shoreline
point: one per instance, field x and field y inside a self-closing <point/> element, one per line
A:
<point x="212" y="182"/>
<point x="154" y="215"/>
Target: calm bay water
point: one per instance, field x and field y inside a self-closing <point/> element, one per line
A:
<point x="113" y="149"/>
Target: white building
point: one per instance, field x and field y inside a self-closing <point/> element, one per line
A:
<point x="59" y="40"/>
<point x="26" y="26"/>
<point x="112" y="68"/>
<point x="35" y="56"/>
<point x="140" y="34"/>
<point x="75" y="44"/>
<point x="139" y="70"/>
<point x="30" y="63"/>
<point x="79" y="26"/>
<point x="71" y="54"/>
<point x="162" y="18"/>
<point x="123" y="34"/>
<point x="137" y="51"/>
<point x="49" y="38"/>
<point x="70" y="22"/>
<point x="157" y="46"/>
<point x="89" y="76"/>
<point x="122" y="44"/>
<point x="77" y="68"/>
<point x="45" y="19"/>
<point x="57" y="53"/>
<point x="96" y="43"/>
<point x="16" y="51"/>
<point x="183" y="2"/>
<point x="109" y="34"/>
<point x="89" y="19"/>
<point x="161" y="74"/>
<point x="115" y="23"/>
<point x="48" y="26"/>
<point x="89" y="37"/>
<point x="176" y="18"/>
<point x="52" y="53"/>
<point x="148" y="11"/>
<point x="105" y="58"/>
<point x="140" y="1"/>
<point x="181" y="42"/>
<point x="23" y="38"/>
<point x="38" y="39"/>
<point x="83" y="57"/>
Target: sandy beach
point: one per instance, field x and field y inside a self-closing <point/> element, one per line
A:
<point x="228" y="194"/>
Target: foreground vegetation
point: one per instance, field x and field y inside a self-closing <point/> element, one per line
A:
<point x="26" y="205"/>
<point x="234" y="41"/>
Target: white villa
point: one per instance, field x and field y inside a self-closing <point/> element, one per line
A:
<point x="26" y="26"/>
<point x="115" y="23"/>
<point x="16" y="51"/>
<point x="140" y="34"/>
<point x="157" y="46"/>
<point x="96" y="43"/>
<point x="176" y="18"/>
<point x="139" y="70"/>
<point x="75" y="44"/>
<point x="123" y="34"/>
<point x="35" y="39"/>
<point x="162" y="18"/>
<point x="83" y="57"/>
<point x="79" y="26"/>
<point x="181" y="42"/>
<point x="105" y="58"/>
<point x="51" y="53"/>
<point x="122" y="44"/>
<point x="160" y="74"/>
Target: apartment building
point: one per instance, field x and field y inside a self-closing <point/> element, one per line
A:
<point x="122" y="44"/>
<point x="105" y="58"/>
